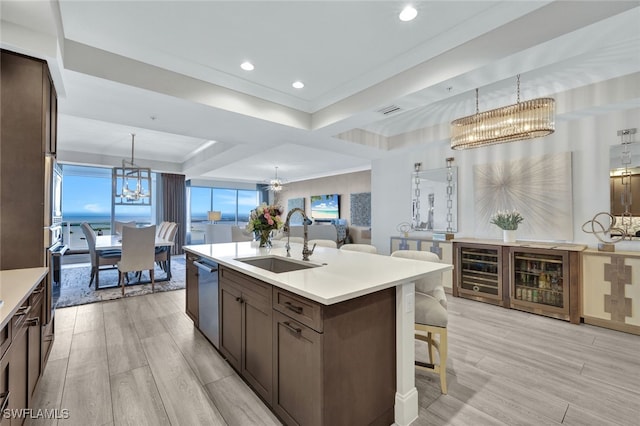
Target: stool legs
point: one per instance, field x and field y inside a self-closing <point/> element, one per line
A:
<point x="425" y="333"/>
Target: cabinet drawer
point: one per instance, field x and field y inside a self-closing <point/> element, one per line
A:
<point x="37" y="295"/>
<point x="20" y="317"/>
<point x="299" y="308"/>
<point x="246" y="284"/>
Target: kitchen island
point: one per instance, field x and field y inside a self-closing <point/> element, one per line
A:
<point x="330" y="326"/>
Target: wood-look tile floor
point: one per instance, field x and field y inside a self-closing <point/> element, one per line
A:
<point x="139" y="360"/>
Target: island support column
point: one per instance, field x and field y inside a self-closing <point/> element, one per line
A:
<point x="406" y="405"/>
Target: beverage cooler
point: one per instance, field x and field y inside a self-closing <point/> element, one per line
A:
<point x="539" y="281"/>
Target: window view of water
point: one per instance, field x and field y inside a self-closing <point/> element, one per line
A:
<point x="86" y="197"/>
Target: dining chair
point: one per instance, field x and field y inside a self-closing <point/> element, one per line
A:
<point x="364" y="248"/>
<point x="138" y="252"/>
<point x="238" y="234"/>
<point x="430" y="315"/>
<point x="162" y="253"/>
<point x="100" y="257"/>
<point x="118" y="225"/>
<point x="160" y="230"/>
<point x="322" y="243"/>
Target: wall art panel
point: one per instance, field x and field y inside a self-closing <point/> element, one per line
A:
<point x="361" y="209"/>
<point x="538" y="187"/>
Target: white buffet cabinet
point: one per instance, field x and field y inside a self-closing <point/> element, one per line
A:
<point x="320" y="306"/>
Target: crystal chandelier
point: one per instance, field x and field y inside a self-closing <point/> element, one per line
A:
<point x="276" y="184"/>
<point x="131" y="184"/>
<point x="522" y="120"/>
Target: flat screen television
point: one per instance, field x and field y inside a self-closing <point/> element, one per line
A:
<point x="325" y="206"/>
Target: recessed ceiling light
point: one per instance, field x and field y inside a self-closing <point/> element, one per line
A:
<point x="408" y="13"/>
<point x="247" y="66"/>
<point x="298" y="84"/>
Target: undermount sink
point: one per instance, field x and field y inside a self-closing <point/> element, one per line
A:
<point x="276" y="264"/>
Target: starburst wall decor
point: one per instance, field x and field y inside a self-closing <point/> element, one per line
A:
<point x="539" y="187"/>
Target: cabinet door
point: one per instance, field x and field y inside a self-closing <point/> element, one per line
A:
<point x="192" y="291"/>
<point x="297" y="396"/>
<point x="34" y="348"/>
<point x="4" y="388"/>
<point x="18" y="373"/>
<point x="231" y="324"/>
<point x="258" y="343"/>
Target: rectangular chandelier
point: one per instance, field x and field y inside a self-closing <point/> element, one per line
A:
<point x="131" y="185"/>
<point x="522" y="120"/>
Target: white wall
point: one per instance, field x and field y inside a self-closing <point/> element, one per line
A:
<point x="344" y="185"/>
<point x="588" y="139"/>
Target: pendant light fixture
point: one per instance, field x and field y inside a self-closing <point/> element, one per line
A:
<point x="131" y="184"/>
<point x="522" y="120"/>
<point x="276" y="184"/>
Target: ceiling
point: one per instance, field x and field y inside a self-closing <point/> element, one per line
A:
<point x="169" y="71"/>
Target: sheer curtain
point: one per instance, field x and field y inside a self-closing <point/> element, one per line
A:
<point x="174" y="206"/>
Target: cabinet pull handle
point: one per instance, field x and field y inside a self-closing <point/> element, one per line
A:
<point x="294" y="308"/>
<point x="5" y="396"/>
<point x="205" y="267"/>
<point x="24" y="310"/>
<point x="33" y="322"/>
<point x="239" y="299"/>
<point x="296" y="330"/>
<point x="38" y="291"/>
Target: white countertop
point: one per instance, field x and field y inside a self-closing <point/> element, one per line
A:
<point x="15" y="286"/>
<point x="343" y="275"/>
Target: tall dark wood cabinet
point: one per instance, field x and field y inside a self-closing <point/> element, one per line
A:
<point x="28" y="144"/>
<point x="28" y="126"/>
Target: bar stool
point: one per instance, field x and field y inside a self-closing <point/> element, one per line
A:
<point x="431" y="316"/>
<point x="364" y="248"/>
<point x="323" y="243"/>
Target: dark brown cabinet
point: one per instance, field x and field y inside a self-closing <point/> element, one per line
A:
<point x="19" y="363"/>
<point x="28" y="110"/>
<point x="334" y="364"/>
<point x="34" y="337"/>
<point x="4" y="388"/>
<point x="192" y="289"/>
<point x="542" y="280"/>
<point x="313" y="364"/>
<point x="245" y="335"/>
<point x="298" y="367"/>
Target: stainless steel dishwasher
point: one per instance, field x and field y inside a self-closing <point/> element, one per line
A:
<point x="208" y="299"/>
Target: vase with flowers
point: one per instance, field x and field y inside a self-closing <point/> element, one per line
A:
<point x="263" y="220"/>
<point x="508" y="221"/>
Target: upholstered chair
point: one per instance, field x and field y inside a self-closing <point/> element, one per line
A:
<point x="117" y="226"/>
<point x="101" y="257"/>
<point x="364" y="248"/>
<point x="322" y="243"/>
<point x="162" y="253"/>
<point x="239" y="234"/>
<point x="431" y="315"/>
<point x="138" y="252"/>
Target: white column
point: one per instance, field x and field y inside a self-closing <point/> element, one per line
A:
<point x="406" y="406"/>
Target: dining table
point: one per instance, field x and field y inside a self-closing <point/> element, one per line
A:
<point x="114" y="242"/>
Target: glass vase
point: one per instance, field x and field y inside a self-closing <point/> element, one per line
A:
<point x="264" y="237"/>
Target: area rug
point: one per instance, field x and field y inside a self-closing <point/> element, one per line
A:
<point x="75" y="290"/>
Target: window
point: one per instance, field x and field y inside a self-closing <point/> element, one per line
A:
<point x="235" y="204"/>
<point x="87" y="197"/>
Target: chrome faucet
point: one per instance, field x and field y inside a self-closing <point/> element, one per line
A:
<point x="305" y="221"/>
